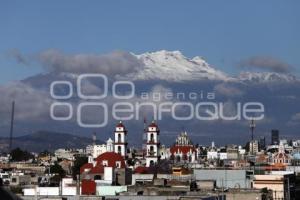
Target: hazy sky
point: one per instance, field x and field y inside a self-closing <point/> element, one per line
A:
<point x="223" y="32"/>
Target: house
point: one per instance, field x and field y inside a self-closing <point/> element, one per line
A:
<point x="282" y="184"/>
<point x="107" y="169"/>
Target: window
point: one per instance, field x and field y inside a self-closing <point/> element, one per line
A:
<point x="104" y="163"/>
<point x="118" y="164"/>
<point x="151" y="148"/>
<point x="97" y="177"/>
<point x="151" y="137"/>
<point x="151" y="163"/>
<point x="119" y="137"/>
<point x="119" y="149"/>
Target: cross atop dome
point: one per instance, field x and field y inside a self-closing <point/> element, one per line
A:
<point x="153" y="124"/>
<point x="120" y="124"/>
<point x="153" y="127"/>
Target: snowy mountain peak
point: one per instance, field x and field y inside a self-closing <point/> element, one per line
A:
<point x="162" y="54"/>
<point x="174" y="66"/>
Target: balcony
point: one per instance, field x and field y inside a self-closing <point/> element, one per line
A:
<point x="152" y="141"/>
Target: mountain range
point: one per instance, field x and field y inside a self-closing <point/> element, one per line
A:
<point x="154" y="72"/>
<point x="174" y="66"/>
<point x="46" y="140"/>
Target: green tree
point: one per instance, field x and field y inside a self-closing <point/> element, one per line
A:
<point x="57" y="169"/>
<point x="79" y="162"/>
<point x="17" y="155"/>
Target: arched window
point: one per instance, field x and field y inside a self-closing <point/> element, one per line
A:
<point x="151" y="163"/>
<point x="119" y="137"/>
<point x="152" y="137"/>
<point x="119" y="149"/>
<point x="151" y="150"/>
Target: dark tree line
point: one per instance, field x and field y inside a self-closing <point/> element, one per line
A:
<point x="17" y="155"/>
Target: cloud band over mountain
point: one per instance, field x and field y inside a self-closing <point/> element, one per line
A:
<point x="161" y="71"/>
<point x="266" y="63"/>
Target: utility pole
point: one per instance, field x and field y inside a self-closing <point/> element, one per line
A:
<point x="222" y="189"/>
<point x="288" y="184"/>
<point x="144" y="146"/>
<point x="49" y="158"/>
<point x="11" y="125"/>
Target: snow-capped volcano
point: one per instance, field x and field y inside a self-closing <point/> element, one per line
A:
<point x="173" y="66"/>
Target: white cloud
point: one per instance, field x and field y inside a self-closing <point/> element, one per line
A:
<point x="30" y="104"/>
<point x="266" y="63"/>
<point x="228" y="90"/>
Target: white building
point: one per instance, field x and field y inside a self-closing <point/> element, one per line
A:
<point x="120" y="144"/>
<point x="152" y="154"/>
<point x="222" y="155"/>
<point x="212" y="154"/>
<point x="296" y="143"/>
<point x="253" y="147"/>
<point x="110" y="145"/>
<point x="67" y="153"/>
<point x="164" y="152"/>
<point x="99" y="149"/>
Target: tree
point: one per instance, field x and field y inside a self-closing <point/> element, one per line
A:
<point x="57" y="169"/>
<point x="79" y="162"/>
<point x="20" y="155"/>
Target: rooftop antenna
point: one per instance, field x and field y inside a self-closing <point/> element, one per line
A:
<point x="252" y="127"/>
<point x="145" y="124"/>
<point x="11" y="125"/>
<point x="144" y="147"/>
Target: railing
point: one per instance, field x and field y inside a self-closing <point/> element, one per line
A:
<point x="153" y="141"/>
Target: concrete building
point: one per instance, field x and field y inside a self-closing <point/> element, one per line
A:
<point x="253" y="147"/>
<point x="67" y="153"/>
<point x="274" y="137"/>
<point x="225" y="178"/>
<point x="20" y="180"/>
<point x="282" y="184"/>
<point x="98" y="150"/>
<point x="164" y="152"/>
